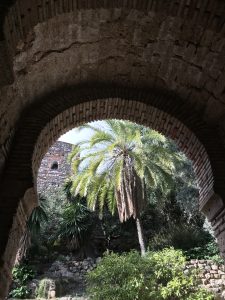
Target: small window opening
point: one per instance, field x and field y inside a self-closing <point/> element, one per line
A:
<point x="54" y="165"/>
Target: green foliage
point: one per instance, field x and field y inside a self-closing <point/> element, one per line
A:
<point x="171" y="282"/>
<point x="186" y="187"/>
<point x="21" y="292"/>
<point x="34" y="224"/>
<point x="201" y="294"/>
<point x="43" y="242"/>
<point x="163" y="213"/>
<point x="70" y="227"/>
<point x="117" y="156"/>
<point x="167" y="224"/>
<point x="76" y="224"/>
<point x="37" y="218"/>
<point x="21" y="275"/>
<point x="43" y="288"/>
<point x="118" y="277"/>
<point x="180" y="236"/>
<point x="209" y="251"/>
<point x="120" y="166"/>
<point x="156" y="276"/>
<point x="54" y="204"/>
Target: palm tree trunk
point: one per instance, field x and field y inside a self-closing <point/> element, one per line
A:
<point x="140" y="236"/>
<point x="25" y="243"/>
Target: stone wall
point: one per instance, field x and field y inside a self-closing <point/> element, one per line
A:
<point x="67" y="277"/>
<point x="174" y="49"/>
<point x="212" y="275"/>
<point x="54" y="168"/>
<point x="68" y="269"/>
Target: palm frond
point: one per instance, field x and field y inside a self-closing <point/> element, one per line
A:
<point x="119" y="163"/>
<point x="94" y="165"/>
<point x="100" y="137"/>
<point x="89" y="126"/>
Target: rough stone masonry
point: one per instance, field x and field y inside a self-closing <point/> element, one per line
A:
<point x="55" y="167"/>
<point x="63" y="63"/>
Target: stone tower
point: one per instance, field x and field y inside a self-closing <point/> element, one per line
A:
<point x="54" y="168"/>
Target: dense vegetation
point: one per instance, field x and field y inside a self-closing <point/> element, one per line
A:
<point x="21" y="275"/>
<point x="121" y="166"/>
<point x="156" y="276"/>
<point x="131" y="189"/>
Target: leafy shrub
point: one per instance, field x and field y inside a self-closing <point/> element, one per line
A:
<point x="118" y="277"/>
<point x="21" y="275"/>
<point x="33" y="229"/>
<point x="21" y="292"/>
<point x="156" y="276"/>
<point x="76" y="225"/>
<point x="180" y="236"/>
<point x="209" y="251"/>
<point x="55" y="203"/>
<point x="43" y="288"/>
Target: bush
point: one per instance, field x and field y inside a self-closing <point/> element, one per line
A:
<point x="21" y="275"/>
<point x="180" y="236"/>
<point x="156" y="276"/>
<point x="209" y="251"/>
<point x="76" y="225"/>
<point x="118" y="277"/>
<point x="21" y="292"/>
<point x="43" y="288"/>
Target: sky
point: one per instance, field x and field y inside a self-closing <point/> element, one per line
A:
<point x="73" y="136"/>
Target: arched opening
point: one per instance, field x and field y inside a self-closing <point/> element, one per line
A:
<point x="160" y="47"/>
<point x="151" y="116"/>
<point x="192" y="135"/>
<point x="53" y="153"/>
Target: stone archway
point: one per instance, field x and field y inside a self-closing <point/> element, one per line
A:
<point x="42" y="124"/>
<point x="158" y="44"/>
<point x="167" y="56"/>
<point x="135" y="111"/>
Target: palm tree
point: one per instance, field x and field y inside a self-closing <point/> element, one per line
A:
<point x="33" y="228"/>
<point x="75" y="225"/>
<point x="118" y="165"/>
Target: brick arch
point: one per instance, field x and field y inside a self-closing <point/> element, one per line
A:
<point x="160" y="110"/>
<point x="164" y="46"/>
<point x="175" y="37"/>
<point x="155" y="48"/>
<point x="159" y="106"/>
<point x="48" y="117"/>
<point x="139" y="112"/>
